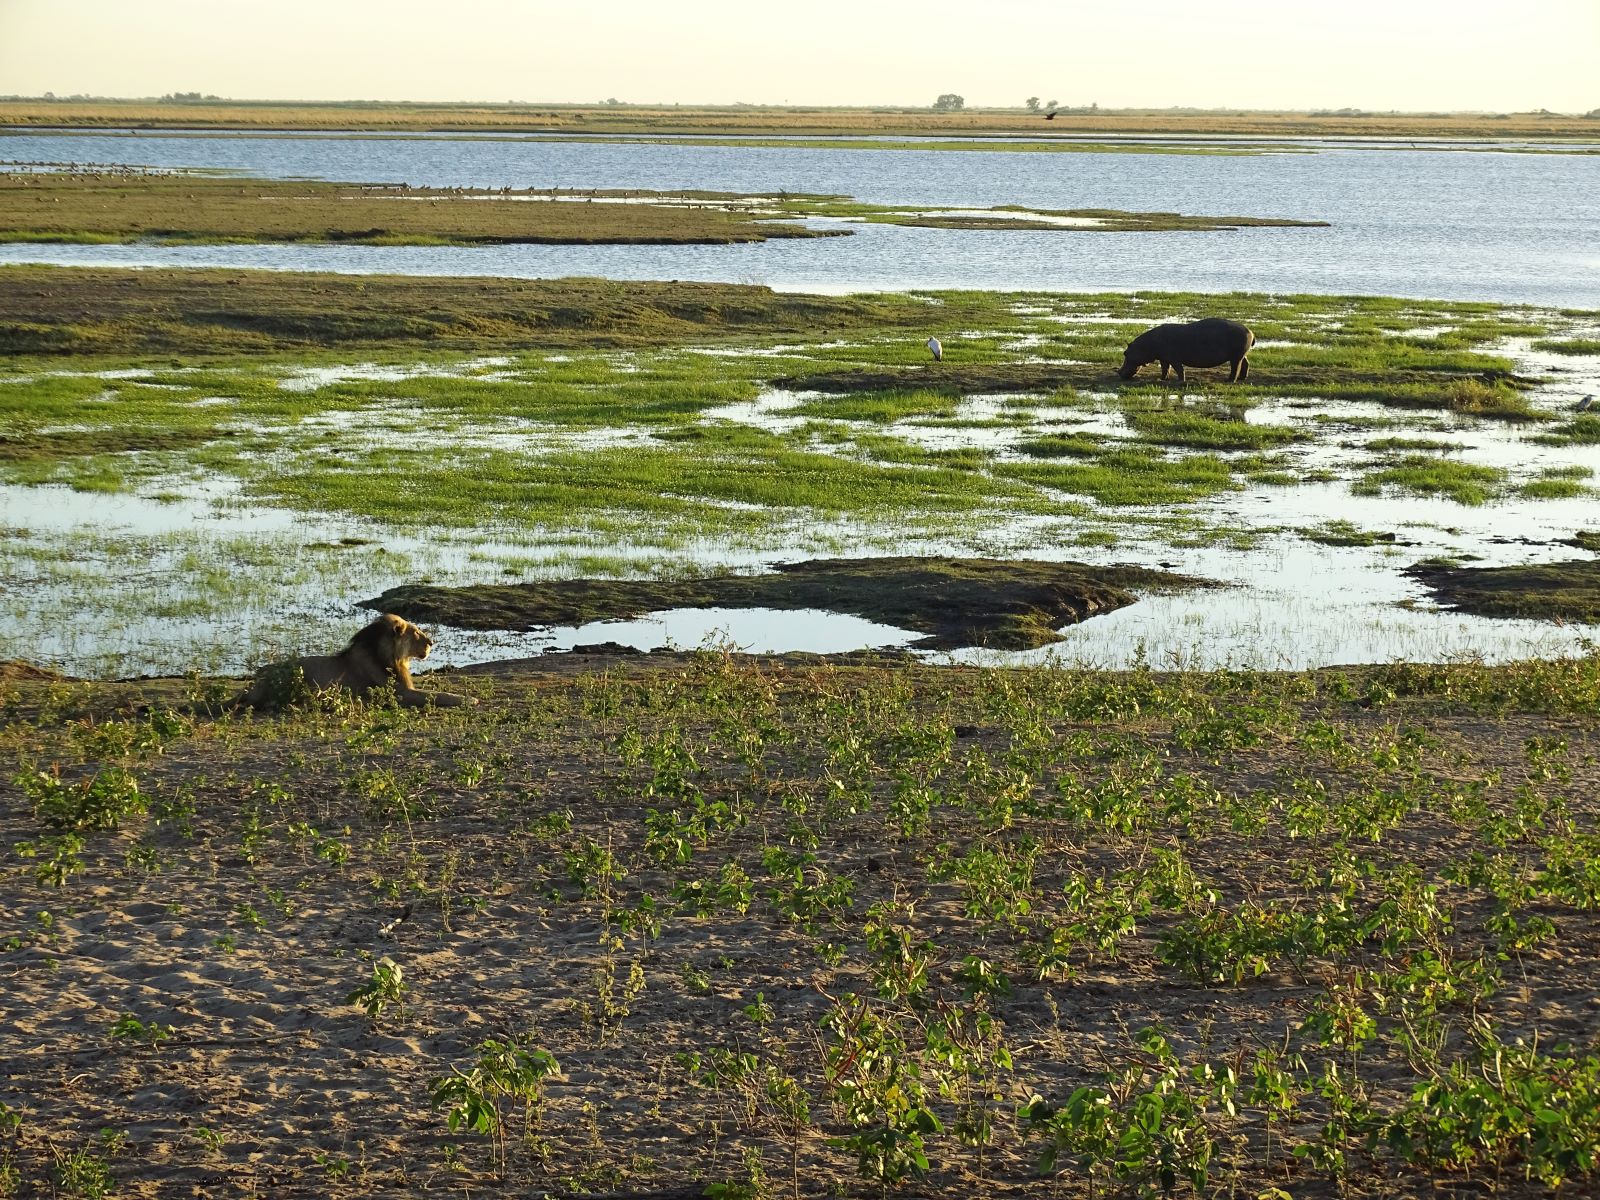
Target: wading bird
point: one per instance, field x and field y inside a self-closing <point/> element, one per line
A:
<point x="936" y="349"/>
<point x="1585" y="404"/>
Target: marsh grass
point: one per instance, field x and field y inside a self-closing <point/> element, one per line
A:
<point x="1132" y="476"/>
<point x="1489" y="400"/>
<point x="606" y="440"/>
<point x="1390" y="445"/>
<point x="1582" y="430"/>
<point x="1465" y="483"/>
<point x="1197" y="430"/>
<point x="1340" y="532"/>
<point x="1573" y="346"/>
<point x="1016" y="217"/>
<point x="118" y="315"/>
<point x="1559" y="483"/>
<point x="881" y="407"/>
<point x="99" y="207"/>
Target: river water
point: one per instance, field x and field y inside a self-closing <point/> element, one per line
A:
<point x="1432" y="223"/>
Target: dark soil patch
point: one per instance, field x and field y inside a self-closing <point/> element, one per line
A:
<point x="86" y="310"/>
<point x="955" y="602"/>
<point x="1565" y="591"/>
<point x="15" y="670"/>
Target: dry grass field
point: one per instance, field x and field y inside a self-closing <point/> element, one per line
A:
<point x="753" y="119"/>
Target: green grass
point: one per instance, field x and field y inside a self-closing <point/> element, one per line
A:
<point x="1178" y="427"/>
<point x="1582" y="430"/>
<point x="567" y="421"/>
<point x="1465" y="483"/>
<point x="1346" y="533"/>
<point x="1387" y="445"/>
<point x="1133" y="476"/>
<point x="684" y="486"/>
<point x="1062" y="445"/>
<point x="1554" y="489"/>
<point x="883" y="407"/>
<point x="1559" y="483"/>
<point x="1572" y="346"/>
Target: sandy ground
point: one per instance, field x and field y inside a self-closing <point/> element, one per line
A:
<point x="279" y="857"/>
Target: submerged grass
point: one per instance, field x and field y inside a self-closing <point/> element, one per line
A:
<point x="1340" y="532"/>
<point x="681" y="489"/>
<point x="882" y="407"/>
<point x="1572" y="346"/>
<point x="1582" y="430"/>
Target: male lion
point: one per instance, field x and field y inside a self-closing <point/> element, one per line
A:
<point x="378" y="652"/>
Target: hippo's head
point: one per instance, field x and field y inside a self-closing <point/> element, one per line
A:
<point x="1139" y="352"/>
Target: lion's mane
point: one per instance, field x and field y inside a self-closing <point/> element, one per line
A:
<point x="377" y="656"/>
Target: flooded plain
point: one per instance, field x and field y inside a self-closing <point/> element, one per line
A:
<point x="255" y="529"/>
<point x="214" y="564"/>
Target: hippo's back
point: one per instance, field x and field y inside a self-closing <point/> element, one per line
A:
<point x="1219" y="331"/>
<point x="1213" y="341"/>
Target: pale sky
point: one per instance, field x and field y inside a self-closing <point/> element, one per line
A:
<point x="1427" y="55"/>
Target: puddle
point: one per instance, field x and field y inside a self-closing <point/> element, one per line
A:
<point x="309" y="379"/>
<point x="753" y="630"/>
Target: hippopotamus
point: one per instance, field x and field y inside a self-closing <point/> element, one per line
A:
<point x="1207" y="343"/>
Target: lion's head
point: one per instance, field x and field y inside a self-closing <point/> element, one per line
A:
<point x="391" y="640"/>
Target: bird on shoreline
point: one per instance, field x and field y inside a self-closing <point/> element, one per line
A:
<point x="936" y="349"/>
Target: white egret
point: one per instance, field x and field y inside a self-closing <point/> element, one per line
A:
<point x="936" y="349"/>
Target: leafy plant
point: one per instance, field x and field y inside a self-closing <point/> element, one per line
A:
<point x="504" y="1074"/>
<point x="130" y="1029"/>
<point x="878" y="1089"/>
<point x="387" y="986"/>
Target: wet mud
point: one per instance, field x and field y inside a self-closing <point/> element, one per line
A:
<point x="1559" y="591"/>
<point x="954" y="603"/>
